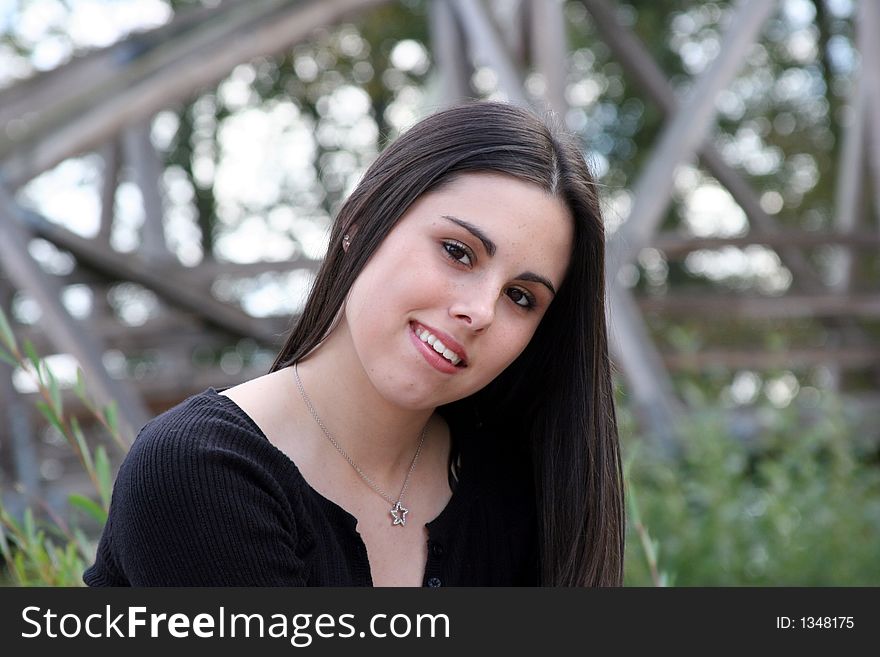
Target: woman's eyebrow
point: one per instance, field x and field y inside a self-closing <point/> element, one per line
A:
<point x="537" y="278"/>
<point x="490" y="247"/>
<point x="488" y="244"/>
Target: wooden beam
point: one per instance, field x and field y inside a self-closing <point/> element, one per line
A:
<point x="682" y="137"/>
<point x="203" y="275"/>
<point x="550" y="51"/>
<point x="848" y="195"/>
<point x="170" y="283"/>
<point x="487" y="47"/>
<point x="15" y="422"/>
<point x="161" y="72"/>
<point x="111" y="155"/>
<point x="144" y="161"/>
<point x="633" y="350"/>
<point x="866" y="35"/>
<point x="164" y="391"/>
<point x="65" y="84"/>
<point x="677" y="246"/>
<point x="165" y="330"/>
<point x="848" y="206"/>
<point x="642" y="68"/>
<point x="68" y="335"/>
<point x="761" y="359"/>
<point x="725" y="306"/>
<point x="449" y="54"/>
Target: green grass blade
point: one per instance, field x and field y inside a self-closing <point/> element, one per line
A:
<point x="30" y="528"/>
<point x="111" y="415"/>
<point x="88" y="506"/>
<point x="54" y="391"/>
<point x="8" y="359"/>
<point x="4" y="544"/>
<point x="105" y="477"/>
<point x="79" y="388"/>
<point x="83" y="447"/>
<point x="50" y="415"/>
<point x="6" y="334"/>
<point x="34" y="358"/>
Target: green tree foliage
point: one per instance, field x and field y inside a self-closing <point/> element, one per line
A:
<point x="42" y="548"/>
<point x="798" y="507"/>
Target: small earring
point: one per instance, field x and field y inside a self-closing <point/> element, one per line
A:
<point x="346" y="241"/>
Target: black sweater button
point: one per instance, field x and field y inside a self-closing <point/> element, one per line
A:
<point x="434" y="582"/>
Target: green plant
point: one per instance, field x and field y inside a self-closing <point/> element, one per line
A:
<point x="50" y="552"/>
<point x="650" y="547"/>
<point x="798" y="505"/>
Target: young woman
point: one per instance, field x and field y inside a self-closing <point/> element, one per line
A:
<point x="442" y="413"/>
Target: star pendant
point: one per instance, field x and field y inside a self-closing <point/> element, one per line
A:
<point x="398" y="512"/>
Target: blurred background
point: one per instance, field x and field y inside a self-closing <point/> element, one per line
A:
<point x="169" y="170"/>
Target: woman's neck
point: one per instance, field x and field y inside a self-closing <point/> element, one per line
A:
<point x="378" y="435"/>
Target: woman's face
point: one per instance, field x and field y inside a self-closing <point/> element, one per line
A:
<point x="473" y="265"/>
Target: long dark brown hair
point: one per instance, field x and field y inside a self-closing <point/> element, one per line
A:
<point x="556" y="399"/>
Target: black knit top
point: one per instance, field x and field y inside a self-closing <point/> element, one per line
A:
<point x="204" y="499"/>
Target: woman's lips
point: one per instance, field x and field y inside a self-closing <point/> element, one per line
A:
<point x="449" y="343"/>
<point x="430" y="355"/>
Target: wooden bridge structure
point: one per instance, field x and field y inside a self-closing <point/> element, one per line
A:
<point x="104" y="101"/>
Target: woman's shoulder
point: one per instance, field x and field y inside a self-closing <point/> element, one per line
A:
<point x="201" y="456"/>
<point x="208" y="413"/>
<point x="203" y="498"/>
<point x="201" y="420"/>
<point x="204" y="433"/>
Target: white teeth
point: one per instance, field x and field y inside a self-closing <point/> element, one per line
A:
<point x="426" y="336"/>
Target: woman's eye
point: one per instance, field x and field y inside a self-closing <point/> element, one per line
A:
<point x="521" y="297"/>
<point x="458" y="252"/>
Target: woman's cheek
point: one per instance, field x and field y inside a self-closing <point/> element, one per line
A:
<point x="519" y="341"/>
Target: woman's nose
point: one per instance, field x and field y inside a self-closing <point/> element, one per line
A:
<point x="475" y="306"/>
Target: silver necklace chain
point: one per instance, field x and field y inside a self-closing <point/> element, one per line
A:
<point x="398" y="511"/>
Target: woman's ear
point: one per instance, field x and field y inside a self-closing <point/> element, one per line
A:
<point x="348" y="236"/>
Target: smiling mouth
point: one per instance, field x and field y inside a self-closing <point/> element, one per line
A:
<point x="437" y="345"/>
